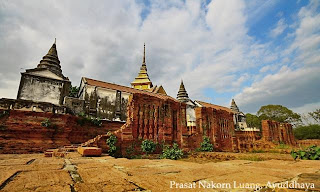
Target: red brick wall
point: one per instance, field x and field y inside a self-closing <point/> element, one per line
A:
<point x="277" y="132"/>
<point x="217" y="125"/>
<point x="246" y="140"/>
<point x="22" y="132"/>
<point x="160" y="120"/>
<point x="164" y="121"/>
<point x="308" y="142"/>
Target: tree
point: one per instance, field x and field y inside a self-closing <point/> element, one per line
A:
<point x="307" y="132"/>
<point x="73" y="92"/>
<point x="253" y="121"/>
<point x="278" y="113"/>
<point x="315" y="115"/>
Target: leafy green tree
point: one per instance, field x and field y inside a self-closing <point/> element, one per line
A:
<point x="279" y="113"/>
<point x="307" y="132"/>
<point x="315" y="115"/>
<point x="73" y="92"/>
<point x="253" y="120"/>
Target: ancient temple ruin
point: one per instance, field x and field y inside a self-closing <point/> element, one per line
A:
<point x="133" y="114"/>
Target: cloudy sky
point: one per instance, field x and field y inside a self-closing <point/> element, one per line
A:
<point x="256" y="51"/>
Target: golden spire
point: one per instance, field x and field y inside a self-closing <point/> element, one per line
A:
<point x="144" y="54"/>
<point x="142" y="81"/>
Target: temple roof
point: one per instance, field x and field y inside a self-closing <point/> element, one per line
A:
<point x="143" y="77"/>
<point x="182" y="94"/>
<point x="113" y="86"/>
<point x="217" y="107"/>
<point x="51" y="61"/>
<point x="234" y="106"/>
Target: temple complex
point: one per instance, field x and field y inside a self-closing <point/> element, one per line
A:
<point x="133" y="114"/>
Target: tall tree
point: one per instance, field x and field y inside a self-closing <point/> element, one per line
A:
<point x="253" y="121"/>
<point x="315" y="115"/>
<point x="279" y="113"/>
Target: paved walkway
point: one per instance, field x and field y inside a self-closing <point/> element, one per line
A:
<point x="34" y="172"/>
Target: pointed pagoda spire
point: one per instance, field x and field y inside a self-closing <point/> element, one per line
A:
<point x="142" y="81"/>
<point x="234" y="106"/>
<point x="182" y="94"/>
<point x="144" y="54"/>
<point x="51" y="60"/>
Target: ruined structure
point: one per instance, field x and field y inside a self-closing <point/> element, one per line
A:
<point x="163" y="119"/>
<point x="278" y="132"/>
<point x="133" y="114"/>
<point x="24" y="131"/>
<point x="45" y="83"/>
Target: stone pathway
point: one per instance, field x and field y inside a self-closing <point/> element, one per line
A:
<point x="34" y="172"/>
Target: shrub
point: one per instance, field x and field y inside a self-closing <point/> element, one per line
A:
<point x="46" y="123"/>
<point x="96" y="122"/>
<point x="173" y="152"/>
<point x="111" y="142"/>
<point x="148" y="146"/>
<point x="311" y="153"/>
<point x="4" y="113"/>
<point x="206" y="145"/>
<point x="86" y="120"/>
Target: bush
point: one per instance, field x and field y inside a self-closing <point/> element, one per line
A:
<point x="173" y="152"/>
<point x="46" y="123"/>
<point x="86" y="120"/>
<point x="311" y="153"/>
<point x="307" y="132"/>
<point x="148" y="146"/>
<point x="4" y="113"/>
<point x="111" y="142"/>
<point x="206" y="145"/>
<point x="96" y="121"/>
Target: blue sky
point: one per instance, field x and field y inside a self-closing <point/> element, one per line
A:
<point x="258" y="52"/>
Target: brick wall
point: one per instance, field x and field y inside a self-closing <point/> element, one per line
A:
<point x="164" y="121"/>
<point x="308" y="142"/>
<point x="160" y="120"/>
<point x="278" y="132"/>
<point x="22" y="132"/>
<point x="217" y="125"/>
<point x="246" y="140"/>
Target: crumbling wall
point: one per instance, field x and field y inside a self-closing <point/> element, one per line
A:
<point x="105" y="103"/>
<point x="23" y="132"/>
<point x="244" y="141"/>
<point x="217" y="125"/>
<point x="276" y="132"/>
<point x="160" y="120"/>
<point x="29" y="105"/>
<point x="163" y="120"/>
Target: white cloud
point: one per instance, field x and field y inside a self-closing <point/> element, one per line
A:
<point x="296" y="85"/>
<point x="208" y="47"/>
<point x="279" y="28"/>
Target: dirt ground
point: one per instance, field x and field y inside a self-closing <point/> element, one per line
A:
<point x="199" y="172"/>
